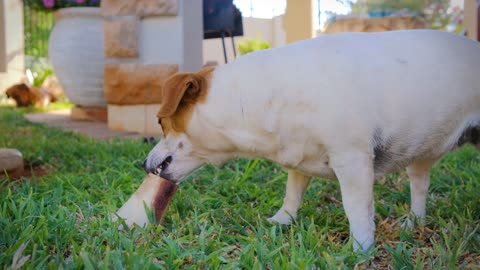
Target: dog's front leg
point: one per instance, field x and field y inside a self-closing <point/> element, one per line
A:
<point x="296" y="185"/>
<point x="418" y="172"/>
<point x="354" y="171"/>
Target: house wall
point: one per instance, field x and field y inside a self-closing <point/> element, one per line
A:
<point x="295" y="25"/>
<point x="270" y="30"/>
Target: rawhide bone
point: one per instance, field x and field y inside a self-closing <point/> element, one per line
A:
<point x="156" y="192"/>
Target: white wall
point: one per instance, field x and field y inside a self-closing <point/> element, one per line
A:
<point x="279" y="34"/>
<point x="270" y="30"/>
<point x="173" y="39"/>
<point x="160" y="40"/>
<point x="13" y="54"/>
<point x="3" y="52"/>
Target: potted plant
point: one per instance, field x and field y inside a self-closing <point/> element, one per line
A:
<point x="75" y="49"/>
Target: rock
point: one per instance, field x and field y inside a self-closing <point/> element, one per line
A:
<point x="10" y="160"/>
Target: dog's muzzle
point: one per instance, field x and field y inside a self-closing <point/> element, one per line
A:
<point x="161" y="168"/>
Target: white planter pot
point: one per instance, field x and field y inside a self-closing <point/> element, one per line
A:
<point x="75" y="49"/>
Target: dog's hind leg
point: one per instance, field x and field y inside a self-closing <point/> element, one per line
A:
<point x="418" y="172"/>
<point x="297" y="183"/>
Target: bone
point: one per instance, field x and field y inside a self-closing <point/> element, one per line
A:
<point x="156" y="192"/>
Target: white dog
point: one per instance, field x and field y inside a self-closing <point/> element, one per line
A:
<point x="351" y="107"/>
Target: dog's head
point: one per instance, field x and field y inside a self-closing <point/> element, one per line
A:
<point x="21" y="94"/>
<point x="177" y="154"/>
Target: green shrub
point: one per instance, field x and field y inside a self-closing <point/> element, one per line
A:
<point x="252" y="44"/>
<point x="40" y="76"/>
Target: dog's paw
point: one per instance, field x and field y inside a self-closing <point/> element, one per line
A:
<point x="282" y="217"/>
<point x="363" y="247"/>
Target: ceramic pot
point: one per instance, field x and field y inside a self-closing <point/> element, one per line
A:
<point x="75" y="50"/>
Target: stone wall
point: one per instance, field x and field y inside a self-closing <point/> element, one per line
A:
<point x="146" y="41"/>
<point x="374" y="24"/>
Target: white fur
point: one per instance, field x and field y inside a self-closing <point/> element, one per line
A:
<point x="315" y="107"/>
<point x="296" y="185"/>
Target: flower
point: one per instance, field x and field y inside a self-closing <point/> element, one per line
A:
<point x="49" y="3"/>
<point x="56" y="4"/>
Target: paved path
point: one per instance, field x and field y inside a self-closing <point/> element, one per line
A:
<point x="96" y="130"/>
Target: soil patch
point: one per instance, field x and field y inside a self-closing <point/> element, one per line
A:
<point x="30" y="171"/>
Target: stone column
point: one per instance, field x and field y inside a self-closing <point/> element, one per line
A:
<point x="472" y="18"/>
<point x="12" y="67"/>
<point x="192" y="16"/>
<point x="298" y="20"/>
<point x="147" y="41"/>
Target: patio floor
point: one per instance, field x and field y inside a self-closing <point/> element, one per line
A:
<point x="96" y="130"/>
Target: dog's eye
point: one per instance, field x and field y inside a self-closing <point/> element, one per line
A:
<point x="160" y="121"/>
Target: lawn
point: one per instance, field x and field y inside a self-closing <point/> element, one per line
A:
<point x="218" y="216"/>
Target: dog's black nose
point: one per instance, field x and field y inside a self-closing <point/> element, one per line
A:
<point x="144" y="165"/>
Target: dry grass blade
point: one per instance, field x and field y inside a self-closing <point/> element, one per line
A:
<point x="18" y="259"/>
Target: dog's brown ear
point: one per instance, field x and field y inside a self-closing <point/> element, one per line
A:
<point x="179" y="90"/>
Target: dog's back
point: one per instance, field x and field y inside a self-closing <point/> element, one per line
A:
<point x="410" y="94"/>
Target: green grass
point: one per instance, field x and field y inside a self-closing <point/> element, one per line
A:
<point x="218" y="216"/>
